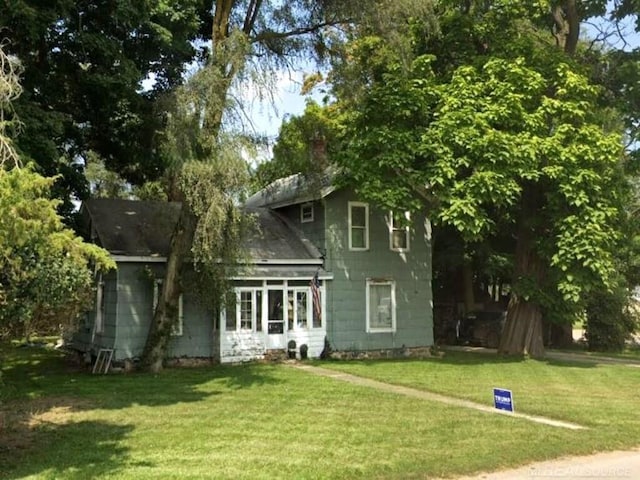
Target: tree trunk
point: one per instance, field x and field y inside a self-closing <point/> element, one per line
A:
<point x="522" y="333"/>
<point x="167" y="309"/>
<point x="566" y="26"/>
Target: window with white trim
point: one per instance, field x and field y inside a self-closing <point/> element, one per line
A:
<point x="176" y="329"/>
<point x="358" y="226"/>
<point x="248" y="314"/>
<point x="306" y="212"/>
<point x="299" y="312"/>
<point x="399" y="231"/>
<point x="100" y="307"/>
<point x="299" y="308"/>
<point x="381" y="305"/>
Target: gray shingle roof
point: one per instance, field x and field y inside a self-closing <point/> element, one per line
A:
<point x="293" y="189"/>
<point x="142" y="228"/>
<point x="276" y="239"/>
<point x="132" y="228"/>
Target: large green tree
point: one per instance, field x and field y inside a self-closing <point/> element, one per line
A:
<point x="45" y="269"/>
<point x="84" y="66"/>
<point x="249" y="39"/>
<point x="486" y="140"/>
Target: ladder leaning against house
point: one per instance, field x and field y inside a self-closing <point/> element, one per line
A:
<point x="103" y="360"/>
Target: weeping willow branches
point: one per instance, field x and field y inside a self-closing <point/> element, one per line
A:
<point x="9" y="90"/>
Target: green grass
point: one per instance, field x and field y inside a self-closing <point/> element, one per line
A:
<point x="631" y="352"/>
<point x="272" y="421"/>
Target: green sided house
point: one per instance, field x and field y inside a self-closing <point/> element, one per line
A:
<point x="324" y="267"/>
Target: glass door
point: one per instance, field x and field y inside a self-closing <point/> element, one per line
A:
<point x="275" y="321"/>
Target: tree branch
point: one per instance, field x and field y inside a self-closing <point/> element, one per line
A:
<point x="250" y="18"/>
<point x="272" y="35"/>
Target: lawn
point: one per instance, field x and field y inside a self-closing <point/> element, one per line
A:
<point x="273" y="421"/>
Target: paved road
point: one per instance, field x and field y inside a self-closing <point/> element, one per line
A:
<point x="612" y="466"/>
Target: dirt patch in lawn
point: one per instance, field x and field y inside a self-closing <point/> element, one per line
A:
<point x="21" y="421"/>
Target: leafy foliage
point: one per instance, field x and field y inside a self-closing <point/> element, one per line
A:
<point x="45" y="274"/>
<point x="305" y="145"/>
<point x="249" y="40"/>
<point x="611" y="319"/>
<point x="84" y="64"/>
<point x="10" y="89"/>
<point x="492" y="142"/>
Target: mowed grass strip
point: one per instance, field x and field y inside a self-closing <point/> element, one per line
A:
<point x="260" y="421"/>
<point x="602" y="397"/>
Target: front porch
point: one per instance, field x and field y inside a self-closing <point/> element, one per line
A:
<point x="271" y="313"/>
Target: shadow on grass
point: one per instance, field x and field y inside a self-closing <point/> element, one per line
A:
<point x="46" y="426"/>
<point x="248" y="375"/>
<point x="460" y="357"/>
<point x="39" y="372"/>
<point x="479" y="356"/>
<point x="42" y="437"/>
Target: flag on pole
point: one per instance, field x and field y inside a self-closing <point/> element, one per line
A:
<point x="315" y="295"/>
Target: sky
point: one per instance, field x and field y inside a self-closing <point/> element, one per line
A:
<point x="267" y="115"/>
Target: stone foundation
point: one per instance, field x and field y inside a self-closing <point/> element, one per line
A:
<point x="413" y="352"/>
<point x="279" y="356"/>
<point x="275" y="356"/>
<point x="189" y="362"/>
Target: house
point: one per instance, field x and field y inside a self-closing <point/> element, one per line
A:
<point x="324" y="267"/>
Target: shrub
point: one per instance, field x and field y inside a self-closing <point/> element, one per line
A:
<point x="612" y="317"/>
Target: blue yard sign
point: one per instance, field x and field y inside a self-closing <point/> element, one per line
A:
<point x="503" y="399"/>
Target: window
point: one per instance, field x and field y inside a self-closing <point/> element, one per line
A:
<point x="176" y="329"/>
<point x="248" y="311"/>
<point x="100" y="304"/>
<point x="291" y="307"/>
<point x="298" y="314"/>
<point x="358" y="226"/>
<point x="381" y="306"/>
<point x="306" y="212"/>
<point x="399" y="231"/>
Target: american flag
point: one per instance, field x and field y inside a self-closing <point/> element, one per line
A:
<point x="315" y="295"/>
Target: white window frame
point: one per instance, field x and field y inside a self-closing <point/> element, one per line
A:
<point x="393" y="228"/>
<point x="254" y="309"/>
<point x="351" y="205"/>
<point x="308" y="216"/>
<point x="295" y="320"/>
<point x="256" y="320"/>
<point x="378" y="282"/>
<point x="100" y="307"/>
<point x="176" y="330"/>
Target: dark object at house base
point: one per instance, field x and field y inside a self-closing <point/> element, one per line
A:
<point x="291" y="349"/>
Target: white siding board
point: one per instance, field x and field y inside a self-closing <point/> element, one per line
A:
<point x="241" y="347"/>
